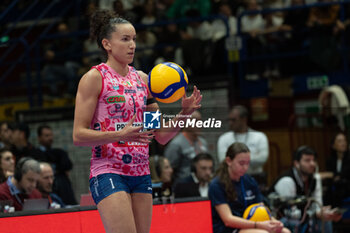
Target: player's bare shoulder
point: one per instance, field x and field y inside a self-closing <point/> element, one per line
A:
<point x="143" y="75"/>
<point x="92" y="74"/>
<point x="91" y="82"/>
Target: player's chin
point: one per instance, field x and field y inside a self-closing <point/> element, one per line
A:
<point x="129" y="58"/>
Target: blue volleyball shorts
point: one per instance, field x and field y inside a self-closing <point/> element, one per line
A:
<point x="104" y="185"/>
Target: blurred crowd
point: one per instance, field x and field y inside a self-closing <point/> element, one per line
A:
<point x="186" y="167"/>
<point x="28" y="171"/>
<point x="302" y="197"/>
<point x="192" y="34"/>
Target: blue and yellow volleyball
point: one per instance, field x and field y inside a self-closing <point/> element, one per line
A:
<point x="257" y="212"/>
<point x="167" y="82"/>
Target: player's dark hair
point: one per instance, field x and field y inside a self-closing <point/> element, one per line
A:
<point x="102" y="24"/>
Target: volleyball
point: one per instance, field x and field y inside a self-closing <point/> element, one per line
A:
<point x="167" y="82"/>
<point x="257" y="212"/>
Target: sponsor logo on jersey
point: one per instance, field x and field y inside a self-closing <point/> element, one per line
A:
<point x="116" y="99"/>
<point x="141" y="88"/>
<point x="120" y="125"/>
<point x="129" y="91"/>
<point x="127" y="158"/>
<point x="117" y="108"/>
<point x="97" y="126"/>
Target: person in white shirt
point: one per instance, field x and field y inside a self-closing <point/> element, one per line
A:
<point x="219" y="26"/>
<point x="256" y="141"/>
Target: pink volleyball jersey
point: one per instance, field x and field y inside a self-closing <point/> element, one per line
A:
<point x="120" y="99"/>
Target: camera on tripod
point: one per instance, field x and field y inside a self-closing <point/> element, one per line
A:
<point x="291" y="208"/>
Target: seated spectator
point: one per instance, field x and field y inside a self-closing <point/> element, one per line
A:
<point x="149" y="14"/>
<point x="21" y="147"/>
<point x="62" y="62"/>
<point x="22" y="185"/>
<point x="5" y="134"/>
<point x="87" y="11"/>
<point x="161" y="175"/>
<point x="92" y="55"/>
<point x="339" y="164"/>
<point x="60" y="162"/>
<point x="197" y="184"/>
<point x="195" y="29"/>
<point x="183" y="148"/>
<point x="7" y="164"/>
<point x="170" y="38"/>
<point x="253" y="25"/>
<point x="326" y="16"/>
<point x="119" y="7"/>
<point x="294" y="36"/>
<point x="325" y="26"/>
<point x="303" y="181"/>
<point x="219" y="26"/>
<point x="295" y="23"/>
<point x="219" y="36"/>
<point x="144" y="59"/>
<point x="271" y="41"/>
<point x="347" y="26"/>
<point x="45" y="184"/>
<point x="232" y="191"/>
<point x="197" y="44"/>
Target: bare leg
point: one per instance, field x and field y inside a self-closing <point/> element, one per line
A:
<point x="142" y="207"/>
<point x="117" y="214"/>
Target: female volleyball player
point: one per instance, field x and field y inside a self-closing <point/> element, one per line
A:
<point x="232" y="191"/>
<point x="109" y="108"/>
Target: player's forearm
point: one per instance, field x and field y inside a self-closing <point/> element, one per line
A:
<point x="89" y="137"/>
<point x="167" y="132"/>
<point x="241" y="223"/>
<point x="163" y="137"/>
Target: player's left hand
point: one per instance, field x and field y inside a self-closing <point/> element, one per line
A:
<point x="191" y="103"/>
